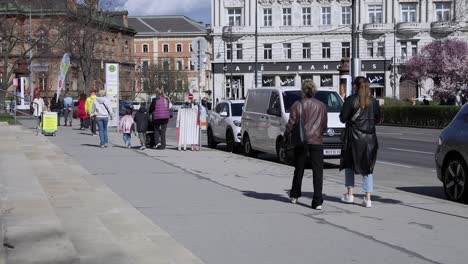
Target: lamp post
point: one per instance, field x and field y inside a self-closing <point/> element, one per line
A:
<point x="256" y="43"/>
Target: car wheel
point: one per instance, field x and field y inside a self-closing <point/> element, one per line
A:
<point x="248" y="147"/>
<point x="229" y="141"/>
<point x="211" y="141"/>
<point x="455" y="176"/>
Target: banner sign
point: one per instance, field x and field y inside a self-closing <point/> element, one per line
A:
<point x="64" y="66"/>
<point x="112" y="91"/>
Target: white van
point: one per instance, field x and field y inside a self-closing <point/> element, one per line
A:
<point x="266" y="113"/>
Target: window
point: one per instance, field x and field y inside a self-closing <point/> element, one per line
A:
<point x="43" y="82"/>
<point x="326" y="50"/>
<point x="267" y="17"/>
<point x="326" y="80"/>
<point x="4" y="46"/>
<point x="414" y="48"/>
<point x="346" y="15"/>
<point x="287" y="80"/>
<point x="239" y="51"/>
<point x="326" y="15"/>
<point x="179" y="47"/>
<point x="165" y="64"/>
<point x="286" y="16"/>
<point x="375" y="13"/>
<point x="306" y="16"/>
<point x="191" y="47"/>
<point x="165" y="48"/>
<point x="144" y="67"/>
<point x="228" y="51"/>
<point x="442" y="12"/>
<point x="306" y="50"/>
<point x="381" y="49"/>
<point x="145" y="48"/>
<point x="370" y="49"/>
<point x="408" y="12"/>
<point x="267" y="52"/>
<point x="192" y="66"/>
<point x="286" y="50"/>
<point x="345" y="49"/>
<point x="179" y="65"/>
<point x="179" y="84"/>
<point x="404" y="49"/>
<point x="268" y="81"/>
<point x="234" y="16"/>
<point x="275" y="103"/>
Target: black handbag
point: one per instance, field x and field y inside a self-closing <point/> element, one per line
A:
<point x="297" y="137"/>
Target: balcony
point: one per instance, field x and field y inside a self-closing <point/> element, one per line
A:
<point x="409" y="28"/>
<point x="445" y="27"/>
<point x="376" y="28"/>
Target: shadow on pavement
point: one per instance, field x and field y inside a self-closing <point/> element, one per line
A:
<point x="431" y="191"/>
<point x="91" y="145"/>
<point x="271" y="197"/>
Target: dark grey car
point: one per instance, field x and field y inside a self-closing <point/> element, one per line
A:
<point x="452" y="157"/>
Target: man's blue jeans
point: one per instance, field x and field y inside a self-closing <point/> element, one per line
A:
<point x="367" y="181"/>
<point x="102" y="124"/>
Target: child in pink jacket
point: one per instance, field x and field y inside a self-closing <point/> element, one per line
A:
<point x="127" y="126"/>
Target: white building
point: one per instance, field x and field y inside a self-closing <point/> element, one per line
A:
<point x="306" y="39"/>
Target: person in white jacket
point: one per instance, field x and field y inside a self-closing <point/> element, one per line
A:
<point x="101" y="110"/>
<point x="38" y="107"/>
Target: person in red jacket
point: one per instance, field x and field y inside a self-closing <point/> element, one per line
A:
<point x="82" y="115"/>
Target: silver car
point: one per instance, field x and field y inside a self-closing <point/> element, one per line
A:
<point x="452" y="157"/>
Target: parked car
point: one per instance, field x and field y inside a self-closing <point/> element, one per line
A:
<point x="266" y="114"/>
<point x="224" y="125"/>
<point x="451" y="157"/>
<point x="176" y="106"/>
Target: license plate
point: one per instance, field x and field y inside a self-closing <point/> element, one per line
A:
<point x="332" y="152"/>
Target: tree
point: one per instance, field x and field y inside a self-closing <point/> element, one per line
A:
<point x="443" y="61"/>
<point x="159" y="77"/>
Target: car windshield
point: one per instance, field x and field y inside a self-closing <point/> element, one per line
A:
<point x="237" y="109"/>
<point x="329" y="98"/>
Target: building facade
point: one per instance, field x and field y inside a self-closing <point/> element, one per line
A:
<point x="307" y="39"/>
<point x="167" y="41"/>
<point x="56" y="29"/>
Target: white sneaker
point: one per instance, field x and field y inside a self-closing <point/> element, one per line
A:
<point x="293" y="200"/>
<point x="347" y="198"/>
<point x="367" y="203"/>
<point x="318" y="207"/>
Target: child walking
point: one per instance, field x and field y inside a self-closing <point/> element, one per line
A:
<point x="141" y="120"/>
<point x="127" y="126"/>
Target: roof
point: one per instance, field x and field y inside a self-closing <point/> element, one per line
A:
<point x="165" y="25"/>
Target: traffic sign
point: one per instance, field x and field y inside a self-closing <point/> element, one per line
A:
<point x="199" y="45"/>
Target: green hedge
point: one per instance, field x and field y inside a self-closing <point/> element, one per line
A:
<point x="430" y="116"/>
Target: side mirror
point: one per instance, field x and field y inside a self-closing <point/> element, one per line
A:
<point x="223" y="114"/>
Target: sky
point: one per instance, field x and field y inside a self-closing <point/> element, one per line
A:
<point x="198" y="10"/>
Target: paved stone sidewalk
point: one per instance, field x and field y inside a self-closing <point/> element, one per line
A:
<point x="55" y="211"/>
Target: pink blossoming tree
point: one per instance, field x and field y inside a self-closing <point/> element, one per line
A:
<point x="443" y="61"/>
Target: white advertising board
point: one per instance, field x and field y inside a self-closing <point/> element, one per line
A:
<point x="112" y="91"/>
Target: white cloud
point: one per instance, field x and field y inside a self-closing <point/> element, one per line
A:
<point x="165" y="7"/>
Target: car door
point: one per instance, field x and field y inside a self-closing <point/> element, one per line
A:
<point x="214" y="119"/>
<point x="273" y="127"/>
<point x="223" y="121"/>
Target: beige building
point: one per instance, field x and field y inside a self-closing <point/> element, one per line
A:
<point x="167" y="40"/>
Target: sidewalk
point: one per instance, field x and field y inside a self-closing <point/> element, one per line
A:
<point x="55" y="211"/>
<point x="227" y="208"/>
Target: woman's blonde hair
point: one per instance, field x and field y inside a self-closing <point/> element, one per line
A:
<point x="361" y="87"/>
<point x="102" y="93"/>
<point x="309" y="89"/>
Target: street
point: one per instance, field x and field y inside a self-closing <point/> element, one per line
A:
<point x="227" y="208"/>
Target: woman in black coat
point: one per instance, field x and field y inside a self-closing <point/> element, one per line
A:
<point x="360" y="112"/>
